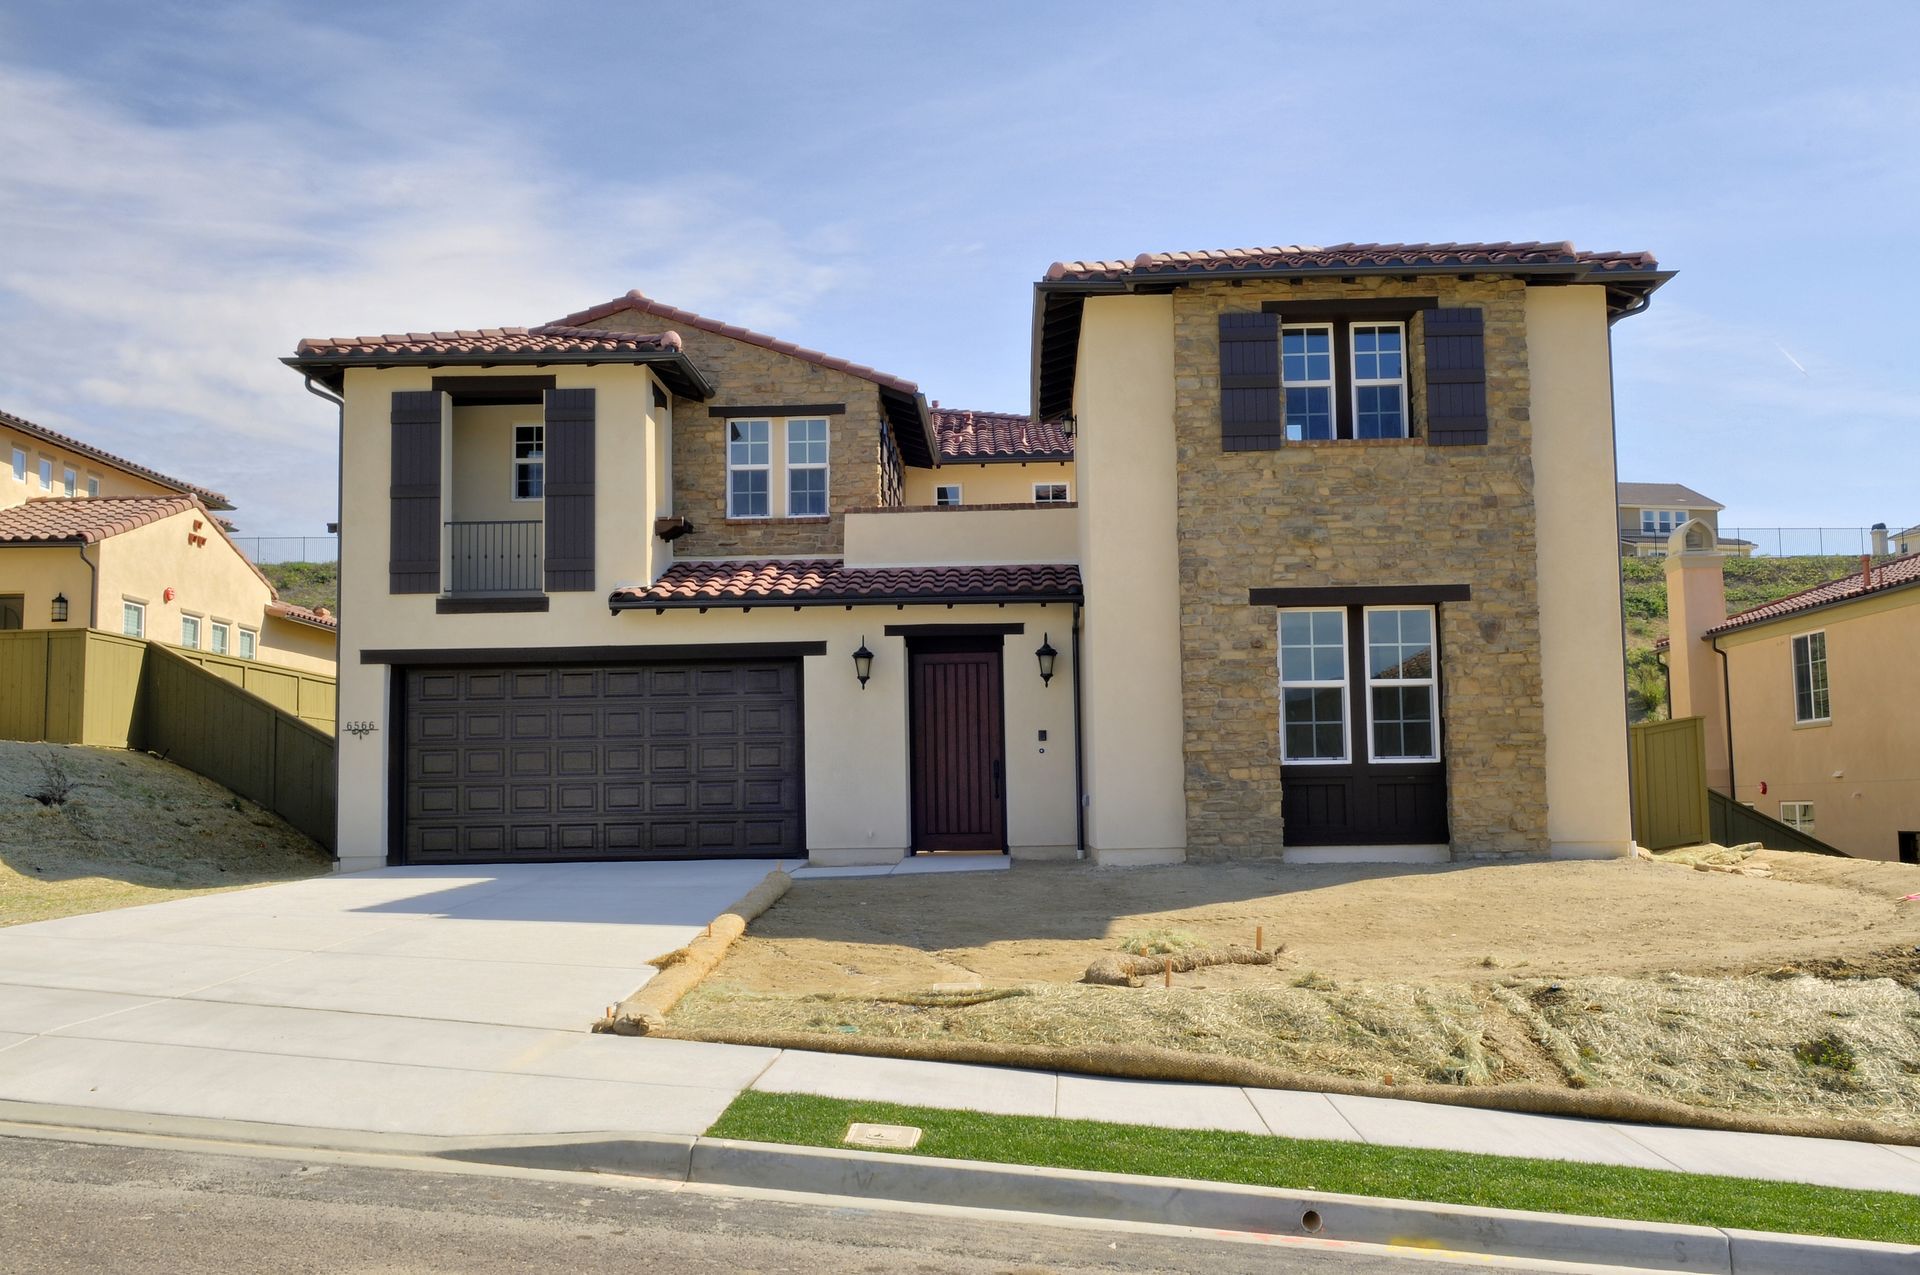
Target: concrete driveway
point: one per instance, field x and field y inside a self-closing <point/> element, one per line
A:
<point x="450" y="1001"/>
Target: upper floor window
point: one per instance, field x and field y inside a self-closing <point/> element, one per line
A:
<point x="46" y="474"/>
<point x="71" y="481"/>
<point x="93" y="486"/>
<point x="1344" y="380"/>
<point x="949" y="494"/>
<point x="19" y="464"/>
<point x="529" y="462"/>
<point x="806" y="469"/>
<point x="1661" y="522"/>
<point x="249" y="640"/>
<point x="218" y="636"/>
<point x="749" y="466"/>
<point x="1810" y="700"/>
<point x="1050" y="494"/>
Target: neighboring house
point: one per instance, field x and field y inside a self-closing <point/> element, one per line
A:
<point x="1904" y="542"/>
<point x="1336" y="576"/>
<point x="1652" y="512"/>
<point x="1812" y="702"/>
<point x="41" y="463"/>
<point x="159" y="567"/>
<point x="995" y="458"/>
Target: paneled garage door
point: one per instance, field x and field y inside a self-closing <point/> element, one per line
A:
<point x="642" y="761"/>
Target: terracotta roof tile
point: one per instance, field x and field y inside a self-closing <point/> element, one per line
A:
<point x="86" y="519"/>
<point x="319" y="619"/>
<point x="638" y="303"/>
<point x="1358" y="256"/>
<point x="968" y="435"/>
<point x="549" y="338"/>
<point x="1895" y="574"/>
<point x="830" y="582"/>
<point x="212" y="499"/>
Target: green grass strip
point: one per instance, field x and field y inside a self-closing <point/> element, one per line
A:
<point x="1346" y="1168"/>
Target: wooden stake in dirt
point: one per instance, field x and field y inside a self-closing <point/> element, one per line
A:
<point x="1169" y="968"/>
<point x="1259" y="938"/>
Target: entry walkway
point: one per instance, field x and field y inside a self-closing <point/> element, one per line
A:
<point x="454" y="1002"/>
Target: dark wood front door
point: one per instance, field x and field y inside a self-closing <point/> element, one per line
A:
<point x="958" y="743"/>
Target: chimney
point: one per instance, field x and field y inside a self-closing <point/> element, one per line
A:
<point x="1879" y="539"/>
<point x="1696" y="601"/>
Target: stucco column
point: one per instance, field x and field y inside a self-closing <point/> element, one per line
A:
<point x="1130" y="568"/>
<point x="1696" y="601"/>
<point x="1582" y="652"/>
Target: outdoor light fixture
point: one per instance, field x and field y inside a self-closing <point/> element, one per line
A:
<point x="1046" y="655"/>
<point x="59" y="608"/>
<point x="1069" y="425"/>
<point x="863" y="663"/>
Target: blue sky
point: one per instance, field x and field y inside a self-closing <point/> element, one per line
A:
<point x="187" y="189"/>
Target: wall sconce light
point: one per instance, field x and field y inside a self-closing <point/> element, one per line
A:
<point x="863" y="663"/>
<point x="59" y="608"/>
<point x="1069" y="425"/>
<point x="1046" y="655"/>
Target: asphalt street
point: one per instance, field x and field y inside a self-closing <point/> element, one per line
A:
<point x="74" y="1206"/>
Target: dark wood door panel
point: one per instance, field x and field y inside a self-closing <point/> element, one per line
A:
<point x="958" y="745"/>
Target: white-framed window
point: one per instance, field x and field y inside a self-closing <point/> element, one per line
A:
<point x="1797" y="814"/>
<point x="190" y="632"/>
<point x="133" y="618"/>
<point x="249" y="643"/>
<point x="749" y="469"/>
<point x="1811" y="703"/>
<point x="1661" y="522"/>
<point x="219" y="637"/>
<point x="46" y="474"/>
<point x="1051" y="494"/>
<point x="529" y="462"/>
<point x="807" y="468"/>
<point x="1379" y="379"/>
<point x="1313" y="685"/>
<point x="71" y="481"/>
<point x="93" y="485"/>
<point x="947" y="494"/>
<point x="1306" y="380"/>
<point x="1402" y="701"/>
<point x="19" y="464"/>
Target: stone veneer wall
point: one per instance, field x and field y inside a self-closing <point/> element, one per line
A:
<point x="745" y="374"/>
<point x="1359" y="513"/>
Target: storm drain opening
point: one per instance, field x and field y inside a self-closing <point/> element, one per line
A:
<point x="1310" y="1221"/>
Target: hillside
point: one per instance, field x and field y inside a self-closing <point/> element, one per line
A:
<point x="1750" y="582"/>
<point x="307" y="584"/>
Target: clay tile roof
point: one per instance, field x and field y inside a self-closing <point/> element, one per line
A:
<point x="321" y="619"/>
<point x="86" y="519"/>
<point x="968" y="435"/>
<point x="638" y="303"/>
<point x="211" y="499"/>
<point x="830" y="582"/>
<point x="549" y="338"/>
<point x="1895" y="574"/>
<point x="1355" y="256"/>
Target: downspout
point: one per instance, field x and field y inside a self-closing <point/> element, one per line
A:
<point x="1726" y="710"/>
<point x="1079" y="751"/>
<point x="93" y="594"/>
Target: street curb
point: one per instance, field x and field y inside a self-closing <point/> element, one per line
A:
<point x="1218" y="1206"/>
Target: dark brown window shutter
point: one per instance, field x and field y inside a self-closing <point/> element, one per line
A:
<point x="1250" y="418"/>
<point x="413" y="553"/>
<point x="1456" y="377"/>
<point x="570" y="448"/>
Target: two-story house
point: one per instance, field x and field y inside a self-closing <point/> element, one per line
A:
<point x="1334" y="575"/>
<point x="1651" y="512"/>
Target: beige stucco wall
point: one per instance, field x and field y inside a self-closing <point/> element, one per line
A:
<point x="1129" y="567"/>
<point x="38" y="574"/>
<point x="295" y="645"/>
<point x="1872" y="740"/>
<point x="1582" y="656"/>
<point x="999" y="483"/>
<point x="482" y="459"/>
<point x="856" y="777"/>
<point x="923" y="537"/>
<point x="113" y="482"/>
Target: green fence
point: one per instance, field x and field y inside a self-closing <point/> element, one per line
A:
<point x="1669" y="776"/>
<point x="1736" y="824"/>
<point x="263" y="731"/>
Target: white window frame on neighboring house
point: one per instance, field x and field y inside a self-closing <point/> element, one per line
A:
<point x="46" y="473"/>
<point x="1797" y="815"/>
<point x="1819" y="688"/>
<point x="1296" y="369"/>
<point x="249" y="648"/>
<point x="749" y="452"/>
<point x="947" y="494"/>
<point x="133" y="618"/>
<point x="71" y="481"/>
<point x="1430" y="683"/>
<point x="1312" y="681"/>
<point x="19" y="464"/>
<point x="529" y="462"/>
<point x="219" y="637"/>
<point x="93" y="484"/>
<point x="191" y="627"/>
<point x="1377" y="381"/>
<point x="1052" y="494"/>
<point x="1662" y="522"/>
<point x="808" y="456"/>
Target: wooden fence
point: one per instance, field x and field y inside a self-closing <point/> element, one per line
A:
<point x="1669" y="775"/>
<point x="1735" y="824"/>
<point x="263" y="731"/>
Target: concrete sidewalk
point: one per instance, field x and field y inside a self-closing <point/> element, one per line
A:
<point x="454" y="1002"/>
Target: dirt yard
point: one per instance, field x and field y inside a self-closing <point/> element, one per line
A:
<point x="133" y="829"/>
<point x="1796" y="993"/>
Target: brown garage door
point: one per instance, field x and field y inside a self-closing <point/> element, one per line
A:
<point x="641" y="761"/>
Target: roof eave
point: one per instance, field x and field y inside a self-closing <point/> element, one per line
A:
<point x="683" y="377"/>
<point x="1735" y="624"/>
<point x="619" y="603"/>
